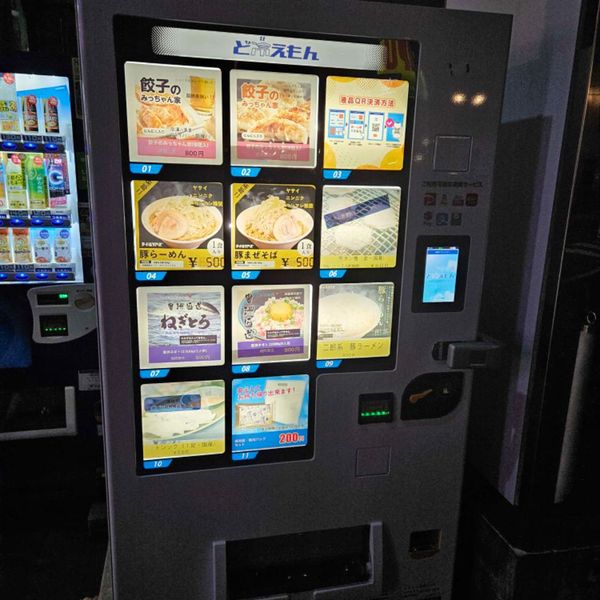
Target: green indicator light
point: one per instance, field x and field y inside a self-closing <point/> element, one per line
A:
<point x="375" y="413"/>
<point x="63" y="296"/>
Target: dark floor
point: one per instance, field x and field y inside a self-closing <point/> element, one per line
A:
<point x="49" y="548"/>
<point x="60" y="562"/>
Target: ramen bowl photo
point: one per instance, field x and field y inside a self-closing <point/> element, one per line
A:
<point x="347" y="316"/>
<point x="270" y="225"/>
<point x="182" y="222"/>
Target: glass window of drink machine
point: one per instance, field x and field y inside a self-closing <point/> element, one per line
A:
<point x="39" y="228"/>
<point x="265" y="188"/>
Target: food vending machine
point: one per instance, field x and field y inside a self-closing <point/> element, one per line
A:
<point x="291" y="206"/>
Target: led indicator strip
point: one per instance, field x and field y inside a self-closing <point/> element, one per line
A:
<point x="375" y="413"/>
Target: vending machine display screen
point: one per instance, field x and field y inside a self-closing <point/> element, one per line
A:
<point x="265" y="182"/>
<point x="441" y="273"/>
<point x="441" y="268"/>
<point x="39" y="227"/>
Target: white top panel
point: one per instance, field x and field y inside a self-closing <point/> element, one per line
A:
<point x="222" y="45"/>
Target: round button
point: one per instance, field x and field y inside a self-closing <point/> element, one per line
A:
<point x="85" y="301"/>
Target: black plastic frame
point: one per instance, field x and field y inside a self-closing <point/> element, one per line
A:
<point x="133" y="44"/>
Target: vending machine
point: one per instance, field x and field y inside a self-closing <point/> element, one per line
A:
<point x="50" y="450"/>
<point x="290" y="218"/>
<point x="39" y="225"/>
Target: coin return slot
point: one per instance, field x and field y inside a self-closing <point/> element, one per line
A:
<point x="424" y="544"/>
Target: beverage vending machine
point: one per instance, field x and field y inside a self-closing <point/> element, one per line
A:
<point x="290" y="208"/>
<point x="39" y="225"/>
<point x="50" y="450"/>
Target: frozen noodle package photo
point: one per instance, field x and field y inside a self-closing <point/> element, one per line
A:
<point x="183" y="419"/>
<point x="359" y="227"/>
<point x="180" y="326"/>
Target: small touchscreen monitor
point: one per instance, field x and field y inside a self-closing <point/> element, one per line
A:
<point x="440" y="273"/>
<point x="441" y="269"/>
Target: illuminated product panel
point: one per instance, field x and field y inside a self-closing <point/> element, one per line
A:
<point x="266" y="224"/>
<point x="39" y="229"/>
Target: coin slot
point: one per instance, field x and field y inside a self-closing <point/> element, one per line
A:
<point x="375" y="408"/>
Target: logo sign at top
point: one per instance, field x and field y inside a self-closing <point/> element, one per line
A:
<point x="222" y="45"/>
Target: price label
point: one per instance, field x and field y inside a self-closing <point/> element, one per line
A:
<point x="245" y="275"/>
<point x="244" y="455"/>
<point x="154" y="373"/>
<point x="328" y="364"/>
<point x="150" y="275"/>
<point x="145" y="168"/>
<point x="332" y="273"/>
<point x="244" y="369"/>
<point x="338" y="174"/>
<point x="245" y="171"/>
<point x="158" y="464"/>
